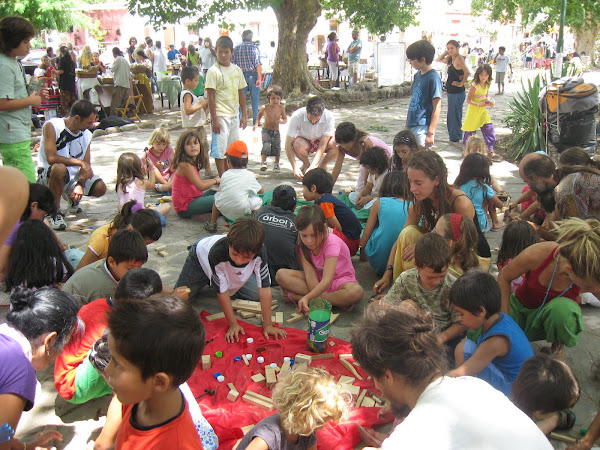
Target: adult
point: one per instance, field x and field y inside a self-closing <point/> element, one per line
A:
<point x="160" y="59"/>
<point x="131" y="49"/>
<point x="545" y="304"/>
<point x="431" y="198"/>
<point x="247" y="57"/>
<point x="72" y="53"/>
<point x="149" y="50"/>
<point x="66" y="80"/>
<point x="354" y="142"/>
<point x="333" y="58"/>
<point x="121" y="79"/>
<point x="193" y="57"/>
<point x="50" y="53"/>
<point x="208" y="55"/>
<point x="354" y="57"/>
<point x="37" y="327"/>
<point x="183" y="50"/>
<point x="86" y="58"/>
<point x="64" y="160"/>
<point x="310" y="130"/>
<point x="172" y="53"/>
<point x="402" y="353"/>
<point x="458" y="72"/>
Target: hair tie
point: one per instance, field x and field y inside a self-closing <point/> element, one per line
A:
<point x="455" y="220"/>
<point x="136" y="207"/>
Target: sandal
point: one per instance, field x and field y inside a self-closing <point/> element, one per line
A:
<point x="210" y="227"/>
<point x="566" y="420"/>
<point x="495" y="157"/>
<point x="160" y="191"/>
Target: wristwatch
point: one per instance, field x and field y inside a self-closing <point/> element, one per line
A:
<point x="389" y="267"/>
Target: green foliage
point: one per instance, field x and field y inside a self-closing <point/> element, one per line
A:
<point x="525" y="121"/>
<point x="58" y="15"/>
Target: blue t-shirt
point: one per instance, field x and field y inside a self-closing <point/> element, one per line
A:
<point x="356" y="55"/>
<point x="424" y="89"/>
<point x="478" y="194"/>
<point x="332" y="205"/>
<point x="171" y="54"/>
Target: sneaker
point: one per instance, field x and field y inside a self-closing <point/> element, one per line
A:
<point x="58" y="222"/>
<point x="276" y="167"/>
<point x="74" y="208"/>
<point x="263" y="167"/>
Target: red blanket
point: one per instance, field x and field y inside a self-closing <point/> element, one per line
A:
<point x="228" y="418"/>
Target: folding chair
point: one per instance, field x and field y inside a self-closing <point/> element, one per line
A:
<point x="137" y="101"/>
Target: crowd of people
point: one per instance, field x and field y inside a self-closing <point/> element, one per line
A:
<point x="448" y="344"/>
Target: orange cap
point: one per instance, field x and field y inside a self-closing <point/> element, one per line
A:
<point x="238" y="149"/>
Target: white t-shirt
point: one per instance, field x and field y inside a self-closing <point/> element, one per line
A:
<point x="233" y="198"/>
<point x="191" y="120"/>
<point x="502" y="63"/>
<point x="208" y="59"/>
<point x="465" y="413"/>
<point x="299" y="125"/>
<point x="160" y="60"/>
<point x="68" y="145"/>
<point x="377" y="182"/>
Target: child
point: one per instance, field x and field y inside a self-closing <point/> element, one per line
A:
<point x="474" y="180"/>
<point x="502" y="347"/>
<point x="477" y="145"/>
<point x="132" y="216"/>
<point x="281" y="233"/>
<point x="239" y="188"/>
<point x="502" y="62"/>
<point x="405" y="145"/>
<point x="386" y="219"/>
<point x="544" y="390"/>
<point x="517" y="236"/>
<point x="146" y="338"/>
<point x="477" y="114"/>
<point x="426" y="287"/>
<point x="191" y="194"/>
<point x="126" y="251"/>
<point x="305" y="400"/>
<point x="226" y="263"/>
<point x="327" y="268"/>
<point x="223" y="79"/>
<point x="426" y="100"/>
<point x="132" y="183"/>
<point x="193" y="110"/>
<point x="160" y="152"/>
<point x="15" y="104"/>
<point x="376" y="164"/>
<point x="318" y="185"/>
<point x="274" y="114"/>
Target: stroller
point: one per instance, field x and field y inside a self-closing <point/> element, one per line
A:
<point x="569" y="106"/>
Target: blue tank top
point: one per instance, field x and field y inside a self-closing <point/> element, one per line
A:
<point x="520" y="348"/>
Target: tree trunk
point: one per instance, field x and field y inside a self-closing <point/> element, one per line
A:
<point x="585" y="41"/>
<point x="295" y="18"/>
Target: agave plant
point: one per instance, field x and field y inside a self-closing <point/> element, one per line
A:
<point x="525" y="121"/>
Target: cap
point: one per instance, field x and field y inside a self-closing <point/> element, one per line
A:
<point x="284" y="192"/>
<point x="171" y="45"/>
<point x="238" y="149"/>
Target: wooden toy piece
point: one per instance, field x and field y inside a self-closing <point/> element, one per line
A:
<point x="376" y="397"/>
<point x="160" y="248"/>
<point x="345" y="355"/>
<point x="258" y="378"/>
<point x="247" y="428"/>
<point x="564" y="438"/>
<point x="273" y="319"/>
<point x="321" y="356"/>
<point x="357" y="364"/>
<point x="216" y="316"/>
<point x="368" y="402"/>
<point x="300" y="366"/>
<point x="246" y="314"/>
<point x="285" y="366"/>
<point x="346" y="380"/>
<point x="232" y="396"/>
<point x="163" y="254"/>
<point x="165" y="198"/>
<point x="79" y="230"/>
<point x="353" y="390"/>
<point x="246" y="305"/>
<point x="302" y="358"/>
<point x="258" y="400"/>
<point x="232" y="387"/>
<point x="271" y="379"/>
<point x="331" y="343"/>
<point x="295" y="317"/>
<point x="206" y="363"/>
<point x="333" y="318"/>
<point x="279" y="317"/>
<point x="149" y="205"/>
<point x="361" y="398"/>
<point x="351" y="368"/>
<point x="245" y="360"/>
<point x="259" y="316"/>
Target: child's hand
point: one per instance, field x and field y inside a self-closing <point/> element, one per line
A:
<point x="362" y="201"/>
<point x="303" y="305"/>
<point x="183" y="292"/>
<point x="35" y="99"/>
<point x="159" y="165"/>
<point x="409" y="252"/>
<point x="149" y="165"/>
<point x="43" y="437"/>
<point x="273" y="331"/>
<point x="233" y="333"/>
<point x="216" y="125"/>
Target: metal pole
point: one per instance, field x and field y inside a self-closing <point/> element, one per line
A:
<point x="560" y="45"/>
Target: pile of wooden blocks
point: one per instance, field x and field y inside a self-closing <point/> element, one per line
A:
<point x="81" y="226"/>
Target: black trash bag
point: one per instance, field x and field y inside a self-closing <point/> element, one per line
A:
<point x="114" y="121"/>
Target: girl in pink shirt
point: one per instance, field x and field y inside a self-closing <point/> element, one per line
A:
<point x="160" y="152"/>
<point x="327" y="268"/>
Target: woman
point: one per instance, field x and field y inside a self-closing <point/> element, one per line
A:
<point x="458" y="73"/>
<point x="432" y="197"/>
<point x="545" y="304"/>
<point x="353" y="142"/>
<point x="66" y="81"/>
<point x="333" y="58"/>
<point x="37" y="327"/>
<point x="86" y="58"/>
<point x="131" y="49"/>
<point x="144" y="78"/>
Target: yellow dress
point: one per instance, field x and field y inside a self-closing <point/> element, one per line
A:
<point x="477" y="116"/>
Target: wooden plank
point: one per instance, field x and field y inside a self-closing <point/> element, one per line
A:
<point x="232" y="387"/>
<point x="351" y="368"/>
<point x="206" y="363"/>
<point x="246" y="305"/>
<point x="258" y="378"/>
<point x="353" y="390"/>
<point x="333" y="318"/>
<point x="564" y="438"/>
<point x="368" y="402"/>
<point x="247" y="428"/>
<point x="303" y="358"/>
<point x="285" y="366"/>
<point x="245" y="360"/>
<point x="257" y="402"/>
<point x="300" y="366"/>
<point x="321" y="356"/>
<point x="346" y="380"/>
<point x="279" y="317"/>
<point x="295" y="317"/>
<point x="331" y="343"/>
<point x="361" y="397"/>
<point x="163" y="254"/>
<point x="160" y="248"/>
<point x="271" y="379"/>
<point x="345" y="355"/>
<point x="232" y="396"/>
<point x="247" y="314"/>
<point x="216" y="316"/>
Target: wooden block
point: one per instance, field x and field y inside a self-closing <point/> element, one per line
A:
<point x="279" y="317"/>
<point x="361" y="397"/>
<point x="357" y="364"/>
<point x="345" y="355"/>
<point x="368" y="402"/>
<point x="274" y="305"/>
<point x="259" y="396"/>
<point x="321" y="356"/>
<point x="247" y="428"/>
<point x="216" y="316"/>
<point x="346" y="380"/>
<point x="160" y="248"/>
<point x="271" y="379"/>
<point x="258" y="378"/>
<point x="82" y="221"/>
<point x="273" y="319"/>
<point x="259" y="316"/>
<point x="564" y="438"/>
<point x="232" y="387"/>
<point x="302" y="358"/>
<point x="258" y="402"/>
<point x="295" y="317"/>
<point x="351" y="368"/>
<point x="333" y="318"/>
<point x="354" y="390"/>
<point x="246" y="314"/>
<point x="163" y="254"/>
<point x="232" y="396"/>
<point x="285" y="366"/>
<point x="245" y="360"/>
<point x="331" y="343"/>
<point x="246" y="305"/>
<point x="166" y="198"/>
<point x="206" y="363"/>
<point x="301" y="366"/>
<point x="79" y="230"/>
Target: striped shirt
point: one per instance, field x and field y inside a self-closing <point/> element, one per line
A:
<point x="246" y="56"/>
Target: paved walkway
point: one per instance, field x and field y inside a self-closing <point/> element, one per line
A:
<point x="78" y="423"/>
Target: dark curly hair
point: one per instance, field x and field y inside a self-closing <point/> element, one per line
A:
<point x="376" y="159"/>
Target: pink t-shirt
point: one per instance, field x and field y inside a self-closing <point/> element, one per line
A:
<point x="344" y="270"/>
<point x="165" y="157"/>
<point x="183" y="192"/>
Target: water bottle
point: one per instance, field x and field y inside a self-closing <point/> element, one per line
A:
<point x="319" y="316"/>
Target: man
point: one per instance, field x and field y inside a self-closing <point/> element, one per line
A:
<point x="121" y="81"/>
<point x="160" y="59"/>
<point x="208" y="56"/>
<point x="172" y="53"/>
<point x="311" y="130"/>
<point x="354" y="57"/>
<point x="64" y="161"/>
<point x="183" y="49"/>
<point x="247" y="57"/>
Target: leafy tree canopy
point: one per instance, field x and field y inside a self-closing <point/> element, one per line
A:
<point x="59" y="15"/>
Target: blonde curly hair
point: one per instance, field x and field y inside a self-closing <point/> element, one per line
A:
<point x="308" y="399"/>
<point x="160" y="134"/>
<point x="579" y="242"/>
